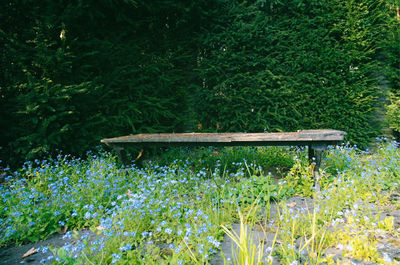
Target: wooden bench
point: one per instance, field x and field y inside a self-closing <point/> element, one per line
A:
<point x="316" y="140"/>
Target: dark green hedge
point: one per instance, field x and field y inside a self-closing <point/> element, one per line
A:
<point x="79" y="71"/>
<point x="74" y="72"/>
<point x="294" y="65"/>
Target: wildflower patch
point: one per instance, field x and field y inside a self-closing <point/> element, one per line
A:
<point x="182" y="214"/>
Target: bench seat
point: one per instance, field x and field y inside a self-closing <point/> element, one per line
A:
<point x="304" y="137"/>
<point x="316" y="140"/>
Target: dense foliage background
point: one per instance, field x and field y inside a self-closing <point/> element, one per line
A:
<point x="73" y="72"/>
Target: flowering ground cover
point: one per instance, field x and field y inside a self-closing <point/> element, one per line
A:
<point x="178" y="209"/>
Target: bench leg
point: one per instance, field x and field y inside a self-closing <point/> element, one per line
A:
<point x="121" y="154"/>
<point x="315" y="156"/>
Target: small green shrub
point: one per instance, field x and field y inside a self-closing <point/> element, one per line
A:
<point x="262" y="189"/>
<point x="231" y="159"/>
<point x="300" y="178"/>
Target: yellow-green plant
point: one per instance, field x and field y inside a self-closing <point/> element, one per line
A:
<point x="247" y="251"/>
<point x="387" y="224"/>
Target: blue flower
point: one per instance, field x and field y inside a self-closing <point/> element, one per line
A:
<point x="126" y="248"/>
<point x="144" y="234"/>
<point x="44" y="250"/>
<point x="16" y="214"/>
<point x="116" y="257"/>
<point x="178" y="249"/>
<point x="87" y="215"/>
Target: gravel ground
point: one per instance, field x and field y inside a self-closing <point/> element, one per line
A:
<point x="13" y="254"/>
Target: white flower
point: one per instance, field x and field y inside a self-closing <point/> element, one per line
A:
<point x="268" y="250"/>
<point x="349" y="247"/>
<point x="387" y="258"/>
<point x="290" y="246"/>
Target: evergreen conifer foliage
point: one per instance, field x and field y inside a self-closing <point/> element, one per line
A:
<point x="288" y="65"/>
<point x="76" y="72"/>
<point x="80" y="71"/>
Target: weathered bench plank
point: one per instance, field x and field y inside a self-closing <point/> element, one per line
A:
<point x="316" y="140"/>
<point x="301" y="137"/>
